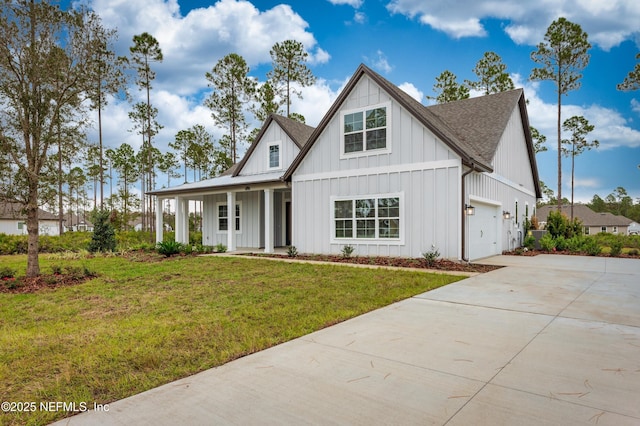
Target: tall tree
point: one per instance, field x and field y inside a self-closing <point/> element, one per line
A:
<point x="266" y="104"/>
<point x="448" y="89"/>
<point x="579" y="128"/>
<point x="289" y="62"/>
<point x="492" y="75"/>
<point x="109" y="78"/>
<point x="181" y="143"/>
<point x="232" y="89"/>
<point x="145" y="51"/>
<point x="562" y="56"/>
<point x="124" y="161"/>
<point x="632" y="80"/>
<point x="45" y="63"/>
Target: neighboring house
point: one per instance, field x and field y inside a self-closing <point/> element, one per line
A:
<point x="634" y="228"/>
<point x="592" y="222"/>
<point x="382" y="173"/>
<point x="78" y="223"/>
<point x="14" y="222"/>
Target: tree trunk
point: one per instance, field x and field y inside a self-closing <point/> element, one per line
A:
<point x="559" y="148"/>
<point x="33" y="264"/>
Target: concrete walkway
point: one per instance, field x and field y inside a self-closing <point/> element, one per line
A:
<point x="548" y="340"/>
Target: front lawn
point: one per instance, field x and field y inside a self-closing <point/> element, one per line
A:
<point x="141" y="324"/>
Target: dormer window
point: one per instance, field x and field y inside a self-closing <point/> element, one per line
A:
<point x="274" y="160"/>
<point x="365" y="130"/>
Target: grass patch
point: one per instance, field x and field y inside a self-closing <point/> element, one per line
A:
<point x="141" y="324"/>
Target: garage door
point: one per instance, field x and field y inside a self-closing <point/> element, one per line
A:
<point x="483" y="231"/>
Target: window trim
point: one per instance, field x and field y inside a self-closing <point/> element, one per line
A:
<point x="239" y="216"/>
<point x="279" y="145"/>
<point x="377" y="240"/>
<point x="365" y="151"/>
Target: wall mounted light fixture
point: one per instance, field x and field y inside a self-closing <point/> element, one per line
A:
<point x="506" y="215"/>
<point x="469" y="209"/>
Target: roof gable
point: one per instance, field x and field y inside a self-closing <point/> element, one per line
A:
<point x="471" y="128"/>
<point x="298" y="132"/>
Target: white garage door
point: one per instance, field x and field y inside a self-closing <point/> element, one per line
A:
<point x="483" y="231"/>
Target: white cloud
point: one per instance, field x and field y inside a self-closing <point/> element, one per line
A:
<point x="359" y="18"/>
<point x="380" y="62"/>
<point x="412" y="91"/>
<point x="192" y="44"/>
<point x="353" y="3"/>
<point x="635" y="105"/>
<point x="608" y="23"/>
<point x="320" y="57"/>
<point x="612" y="129"/>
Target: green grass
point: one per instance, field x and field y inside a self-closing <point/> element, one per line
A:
<point x="141" y="324"/>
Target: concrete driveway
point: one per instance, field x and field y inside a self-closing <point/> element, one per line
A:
<point x="548" y="340"/>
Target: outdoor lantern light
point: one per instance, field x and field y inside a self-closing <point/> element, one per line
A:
<point x="506" y="215"/>
<point x="469" y="209"/>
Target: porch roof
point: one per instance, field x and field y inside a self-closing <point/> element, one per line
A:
<point x="223" y="182"/>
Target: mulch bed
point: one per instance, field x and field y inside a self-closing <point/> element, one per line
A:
<point x="439" y="264"/>
<point x="23" y="285"/>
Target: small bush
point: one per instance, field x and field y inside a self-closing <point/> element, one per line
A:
<point x="547" y="243"/>
<point x="6" y="272"/>
<point x="561" y="243"/>
<point x="575" y="244"/>
<point x="592" y="247"/>
<point x="220" y="248"/>
<point x="529" y="242"/>
<point x="556" y="224"/>
<point x="56" y="269"/>
<point x="292" y="251"/>
<point x="348" y="250"/>
<point x="104" y="236"/>
<point x="616" y="248"/>
<point x="431" y="256"/>
<point x="633" y="252"/>
<point x="169" y="248"/>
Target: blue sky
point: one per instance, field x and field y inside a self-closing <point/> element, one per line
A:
<point x="410" y="42"/>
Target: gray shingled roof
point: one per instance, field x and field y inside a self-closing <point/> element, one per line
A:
<point x="587" y="216"/>
<point x="14" y="211"/>
<point x="480" y="122"/>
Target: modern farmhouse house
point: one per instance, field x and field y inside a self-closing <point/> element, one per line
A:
<point x="382" y="173"/>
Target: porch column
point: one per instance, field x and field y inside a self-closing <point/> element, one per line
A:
<point x="159" y="221"/>
<point x="231" y="221"/>
<point x="182" y="220"/>
<point x="268" y="220"/>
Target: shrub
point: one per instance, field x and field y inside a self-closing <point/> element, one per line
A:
<point x="431" y="256"/>
<point x="529" y="242"/>
<point x="292" y="251"/>
<point x="547" y="242"/>
<point x="575" y="244"/>
<point x="561" y="243"/>
<point x="56" y="269"/>
<point x="556" y="224"/>
<point x="220" y="248"/>
<point x="616" y="248"/>
<point x="104" y="237"/>
<point x="6" y="272"/>
<point x="633" y="252"/>
<point x="348" y="250"/>
<point x="592" y="247"/>
<point x="169" y="248"/>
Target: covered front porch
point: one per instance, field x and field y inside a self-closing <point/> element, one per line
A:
<point x="259" y="217"/>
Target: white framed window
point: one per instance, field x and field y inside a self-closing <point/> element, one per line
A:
<point x="365" y="130"/>
<point x="22" y="226"/>
<point x="274" y="156"/>
<point x="603" y="229"/>
<point x="615" y="229"/>
<point x="370" y="217"/>
<point x="586" y="230"/>
<point x="223" y="219"/>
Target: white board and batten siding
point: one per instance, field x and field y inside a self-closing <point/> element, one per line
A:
<point x="259" y="160"/>
<point x="250" y="223"/>
<point x="510" y="188"/>
<point x="415" y="166"/>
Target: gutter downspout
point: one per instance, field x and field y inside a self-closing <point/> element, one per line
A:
<point x="464" y="214"/>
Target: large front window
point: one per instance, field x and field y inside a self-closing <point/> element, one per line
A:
<point x="367" y="218"/>
<point x="365" y="130"/>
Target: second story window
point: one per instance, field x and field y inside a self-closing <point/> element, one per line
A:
<point x="364" y="130"/>
<point x="274" y="159"/>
